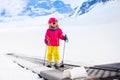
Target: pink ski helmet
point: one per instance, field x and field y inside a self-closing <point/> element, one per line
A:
<point x="52" y="19"/>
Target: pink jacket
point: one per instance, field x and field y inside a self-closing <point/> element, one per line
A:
<point x="52" y="37"/>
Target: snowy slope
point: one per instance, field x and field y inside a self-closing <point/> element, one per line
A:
<point x="11" y="71"/>
<point x="93" y="37"/>
<point x="93" y="34"/>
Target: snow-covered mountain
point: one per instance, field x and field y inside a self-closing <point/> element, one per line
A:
<point x="92" y="26"/>
<point x="33" y="8"/>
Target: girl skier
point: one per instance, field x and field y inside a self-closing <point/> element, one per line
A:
<point x="52" y="36"/>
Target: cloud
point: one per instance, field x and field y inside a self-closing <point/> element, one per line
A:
<point x="35" y="8"/>
<point x="12" y="7"/>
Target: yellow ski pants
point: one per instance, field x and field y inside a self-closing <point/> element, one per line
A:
<point x="53" y="52"/>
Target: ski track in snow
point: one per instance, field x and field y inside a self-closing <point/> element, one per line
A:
<point x="11" y="71"/>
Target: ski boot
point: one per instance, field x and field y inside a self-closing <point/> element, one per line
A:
<point x="62" y="65"/>
<point x="49" y="64"/>
<point x="56" y="66"/>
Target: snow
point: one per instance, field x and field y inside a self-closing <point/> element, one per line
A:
<point x="94" y="38"/>
<point x="74" y="3"/>
<point x="13" y="7"/>
<point x="11" y="71"/>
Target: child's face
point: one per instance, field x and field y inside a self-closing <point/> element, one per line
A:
<point x="53" y="24"/>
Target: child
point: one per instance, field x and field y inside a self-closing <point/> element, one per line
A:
<point x="52" y="36"/>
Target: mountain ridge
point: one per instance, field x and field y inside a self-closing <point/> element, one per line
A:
<point x="46" y="7"/>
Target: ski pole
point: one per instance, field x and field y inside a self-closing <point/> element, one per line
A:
<point x="62" y="63"/>
<point x="45" y="55"/>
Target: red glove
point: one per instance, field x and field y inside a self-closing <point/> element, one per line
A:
<point x="46" y="41"/>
